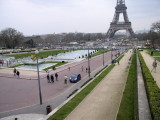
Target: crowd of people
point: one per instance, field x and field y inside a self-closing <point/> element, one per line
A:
<point x="51" y="77"/>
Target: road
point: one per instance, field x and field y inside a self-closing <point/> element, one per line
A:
<point x="17" y="93"/>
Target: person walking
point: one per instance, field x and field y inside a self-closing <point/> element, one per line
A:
<point x="117" y="62"/>
<point x="52" y="78"/>
<point x="56" y="76"/>
<point x="82" y="68"/>
<point x="69" y="68"/>
<point x="86" y="69"/>
<point x="14" y="71"/>
<point x="151" y="53"/>
<point x="65" y="79"/>
<point x="154" y="64"/>
<point x="48" y="79"/>
<point x="18" y="73"/>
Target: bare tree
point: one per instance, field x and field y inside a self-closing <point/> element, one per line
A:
<point x="156" y="27"/>
<point x="11" y="38"/>
<point x="153" y="36"/>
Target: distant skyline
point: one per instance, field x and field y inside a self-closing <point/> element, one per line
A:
<point x="37" y="17"/>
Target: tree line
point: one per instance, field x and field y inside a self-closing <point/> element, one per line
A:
<point x="153" y="35"/>
<point x="11" y="38"/>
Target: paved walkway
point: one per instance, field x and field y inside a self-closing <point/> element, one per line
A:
<point x="25" y="117"/>
<point x="149" y="60"/>
<point x="55" y="101"/>
<point x="104" y="101"/>
<point x="143" y="106"/>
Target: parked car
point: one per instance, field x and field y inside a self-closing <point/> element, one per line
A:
<point x="75" y="78"/>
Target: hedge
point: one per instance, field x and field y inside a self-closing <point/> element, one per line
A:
<point x="153" y="91"/>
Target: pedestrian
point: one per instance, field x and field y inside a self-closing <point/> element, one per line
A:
<point x="65" y="79"/>
<point x="118" y="53"/>
<point x="89" y="71"/>
<point x="111" y="56"/>
<point x="48" y="78"/>
<point x="112" y="62"/>
<point x="69" y="68"/>
<point x="56" y="75"/>
<point x="18" y="73"/>
<point x="82" y="68"/>
<point x="52" y="78"/>
<point x="151" y="53"/>
<point x="86" y="69"/>
<point x="154" y="64"/>
<point x="14" y="71"/>
<point x="118" y="62"/>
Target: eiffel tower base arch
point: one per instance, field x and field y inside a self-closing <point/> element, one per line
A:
<point x="114" y="28"/>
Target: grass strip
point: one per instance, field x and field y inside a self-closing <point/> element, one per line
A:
<point x="54" y="66"/>
<point x="127" y="106"/>
<point x="41" y="55"/>
<point x="100" y="51"/>
<point x="58" y="64"/>
<point x="63" y="112"/>
<point x="119" y="58"/>
<point x="14" y="66"/>
<point x="153" y="91"/>
<point x="156" y="54"/>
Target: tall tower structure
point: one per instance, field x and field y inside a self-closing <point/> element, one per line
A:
<point x="116" y="24"/>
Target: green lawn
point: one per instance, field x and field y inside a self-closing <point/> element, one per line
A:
<point x="128" y="106"/>
<point x="42" y="54"/>
<point x="155" y="52"/>
<point x="100" y="51"/>
<point x="58" y="64"/>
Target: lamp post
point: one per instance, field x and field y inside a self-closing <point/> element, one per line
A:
<point x="103" y="54"/>
<point x="88" y="63"/>
<point x="111" y="56"/>
<point x="39" y="84"/>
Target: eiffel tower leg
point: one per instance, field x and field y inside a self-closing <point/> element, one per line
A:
<point x="130" y="30"/>
<point x="111" y="32"/>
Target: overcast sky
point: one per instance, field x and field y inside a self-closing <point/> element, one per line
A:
<point x="35" y="17"/>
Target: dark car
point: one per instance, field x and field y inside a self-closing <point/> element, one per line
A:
<point x="75" y="78"/>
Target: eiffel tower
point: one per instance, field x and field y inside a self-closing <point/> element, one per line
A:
<point x="116" y="25"/>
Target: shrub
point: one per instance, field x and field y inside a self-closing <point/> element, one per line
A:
<point x="153" y="91"/>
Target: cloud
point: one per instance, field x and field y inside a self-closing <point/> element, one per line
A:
<point x="49" y="16"/>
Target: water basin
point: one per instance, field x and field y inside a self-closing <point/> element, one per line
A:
<point x="70" y="55"/>
<point x="34" y="67"/>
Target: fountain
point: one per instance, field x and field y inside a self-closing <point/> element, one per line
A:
<point x="29" y="64"/>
